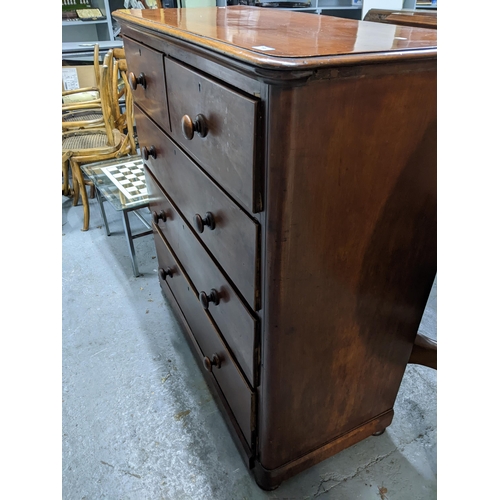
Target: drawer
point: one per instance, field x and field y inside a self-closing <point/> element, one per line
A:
<point x="150" y="92"/>
<point x="222" y="303"/>
<point x="226" y="230"/>
<point x="224" y="139"/>
<point x="217" y="359"/>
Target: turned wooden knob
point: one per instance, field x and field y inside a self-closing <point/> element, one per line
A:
<point x="157" y="216"/>
<point x="205" y="299"/>
<point x="200" y="222"/>
<point x="210" y="363"/>
<point x="137" y="80"/>
<point x="147" y="152"/>
<point x="189" y="127"/>
<point x="165" y="272"/>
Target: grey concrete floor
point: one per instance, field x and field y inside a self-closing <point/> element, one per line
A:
<point x="139" y="422"/>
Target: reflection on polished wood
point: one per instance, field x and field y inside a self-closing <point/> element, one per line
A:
<point x="277" y="38"/>
<point x="416" y="18"/>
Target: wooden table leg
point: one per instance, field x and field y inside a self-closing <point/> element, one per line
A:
<point x="78" y="179"/>
<point x="424" y="352"/>
<point x="65" y="172"/>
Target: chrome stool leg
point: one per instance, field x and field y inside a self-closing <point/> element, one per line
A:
<point x="130" y="241"/>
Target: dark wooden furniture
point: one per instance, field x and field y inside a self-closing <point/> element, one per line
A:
<point x="424" y="349"/>
<point x="424" y="352"/>
<point x="405" y="17"/>
<point x="291" y="160"/>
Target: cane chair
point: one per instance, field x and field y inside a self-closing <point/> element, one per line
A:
<point x="98" y="144"/>
<point x="118" y="86"/>
<point x="65" y="173"/>
<point x="93" y="117"/>
<point x="88" y="114"/>
<point x="82" y="107"/>
<point x="85" y="95"/>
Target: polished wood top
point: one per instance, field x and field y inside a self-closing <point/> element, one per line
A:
<point x="284" y="39"/>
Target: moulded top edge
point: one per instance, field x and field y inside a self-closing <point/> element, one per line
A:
<point x="282" y="38"/>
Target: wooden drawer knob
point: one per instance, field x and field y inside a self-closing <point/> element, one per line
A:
<point x="205" y="299"/>
<point x="147" y="152"/>
<point x="157" y="216"/>
<point x="189" y="127"/>
<point x="165" y="272"/>
<point x="137" y="80"/>
<point x="200" y="222"/>
<point x="210" y="363"/>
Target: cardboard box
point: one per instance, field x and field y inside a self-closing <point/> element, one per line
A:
<point x="76" y="77"/>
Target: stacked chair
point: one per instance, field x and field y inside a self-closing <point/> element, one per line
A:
<point x="92" y="138"/>
<point x="82" y="107"/>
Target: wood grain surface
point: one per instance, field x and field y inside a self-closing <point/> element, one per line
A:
<point x="233" y="385"/>
<point x="340" y="126"/>
<point x="351" y="253"/>
<point x="234" y="241"/>
<point x="231" y="315"/>
<point x="283" y="39"/>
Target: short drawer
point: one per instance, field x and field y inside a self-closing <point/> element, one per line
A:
<point x="235" y="322"/>
<point x="228" y="232"/>
<point x="146" y="74"/>
<point x="218" y="126"/>
<point x="217" y="359"/>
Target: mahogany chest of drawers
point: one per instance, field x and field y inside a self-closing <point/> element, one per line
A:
<point x="291" y="161"/>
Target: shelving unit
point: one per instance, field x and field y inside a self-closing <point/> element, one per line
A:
<point x="416" y="4"/>
<point x="339" y="8"/>
<point x="79" y="37"/>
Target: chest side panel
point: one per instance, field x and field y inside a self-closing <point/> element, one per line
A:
<point x="350" y="253"/>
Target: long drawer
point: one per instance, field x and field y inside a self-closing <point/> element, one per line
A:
<point x="217" y="359"/>
<point x="218" y="126"/>
<point x="218" y="297"/>
<point x="145" y="71"/>
<point x="227" y="231"/>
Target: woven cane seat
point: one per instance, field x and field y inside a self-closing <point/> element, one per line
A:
<point x="82" y="141"/>
<point x="85" y="118"/>
<point x="87" y="115"/>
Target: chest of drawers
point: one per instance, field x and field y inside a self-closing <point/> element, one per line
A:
<point x="291" y="162"/>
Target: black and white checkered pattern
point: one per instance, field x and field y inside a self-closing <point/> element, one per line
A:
<point x="129" y="178"/>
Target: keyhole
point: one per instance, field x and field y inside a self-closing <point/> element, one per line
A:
<point x="140" y="52"/>
<point x="199" y="87"/>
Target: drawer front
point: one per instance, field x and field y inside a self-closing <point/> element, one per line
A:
<point x="150" y="94"/>
<point x="234" y="321"/>
<point x="228" y="150"/>
<point x="227" y="375"/>
<point x="231" y="236"/>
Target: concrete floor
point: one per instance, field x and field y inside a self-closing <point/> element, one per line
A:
<point x="139" y="422"/>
